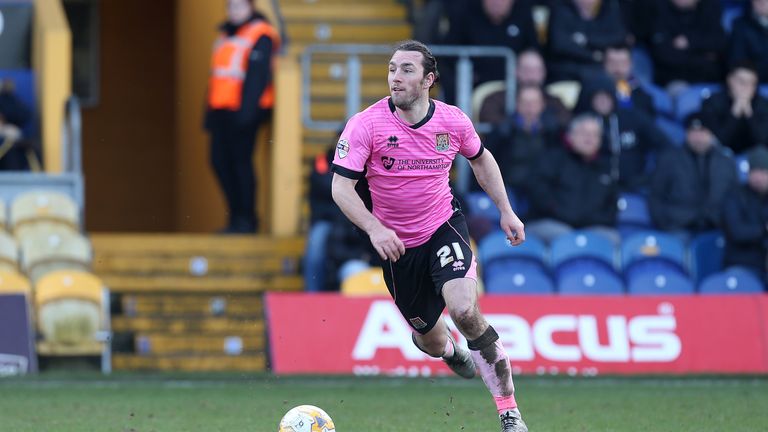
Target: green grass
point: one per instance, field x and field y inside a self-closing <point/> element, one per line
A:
<point x="235" y="402"/>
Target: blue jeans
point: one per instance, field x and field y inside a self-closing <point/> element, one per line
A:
<point x="315" y="256"/>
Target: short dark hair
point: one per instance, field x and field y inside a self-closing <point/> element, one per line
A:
<point x="429" y="61"/>
<point x="743" y="64"/>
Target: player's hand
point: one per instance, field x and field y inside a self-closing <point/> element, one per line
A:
<point x="386" y="243"/>
<point x="513" y="227"/>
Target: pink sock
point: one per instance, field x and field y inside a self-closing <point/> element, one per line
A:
<point x="449" y="349"/>
<point x="497" y="379"/>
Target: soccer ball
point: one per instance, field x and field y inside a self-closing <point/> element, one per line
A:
<point x="306" y="418"/>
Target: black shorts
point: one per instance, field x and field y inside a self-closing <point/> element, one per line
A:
<point x="416" y="280"/>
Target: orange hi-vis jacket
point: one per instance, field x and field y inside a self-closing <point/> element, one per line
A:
<point x="229" y="65"/>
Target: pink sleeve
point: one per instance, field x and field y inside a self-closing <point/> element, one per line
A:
<point x="353" y="149"/>
<point x="471" y="147"/>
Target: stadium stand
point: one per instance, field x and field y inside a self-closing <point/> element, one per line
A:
<point x="43" y="210"/>
<point x="498" y="257"/>
<point x="44" y="251"/>
<point x="706" y="254"/>
<point x="588" y="279"/>
<point x="365" y="283"/>
<point x="633" y="215"/>
<point x="9" y="255"/>
<point x="582" y="247"/>
<point x="14" y="282"/>
<point x="519" y="281"/>
<point x="658" y="279"/>
<point x="653" y="246"/>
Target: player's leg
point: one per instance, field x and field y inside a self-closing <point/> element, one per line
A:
<point x="438" y="342"/>
<point x="487" y="351"/>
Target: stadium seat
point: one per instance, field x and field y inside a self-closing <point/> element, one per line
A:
<point x="588" y="279"/>
<point x="72" y="313"/>
<point x="733" y="280"/>
<point x="3" y="216"/>
<point x="654" y="246"/>
<point x="496" y="256"/>
<point x="658" y="278"/>
<point x="633" y="214"/>
<point x="689" y="100"/>
<point x="742" y="167"/>
<point x="566" y="91"/>
<point x="481" y="93"/>
<point x="706" y="252"/>
<point x="514" y="281"/>
<point x="13" y="282"/>
<point x="642" y="64"/>
<point x="480" y="205"/>
<point x="43" y="252"/>
<point x="365" y="283"/>
<point x="674" y="131"/>
<point x="661" y="99"/>
<point x="583" y="245"/>
<point x="9" y="253"/>
<point x="35" y="209"/>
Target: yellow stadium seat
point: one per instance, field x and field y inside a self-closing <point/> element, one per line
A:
<point x="43" y="252"/>
<point x="71" y="314"/>
<point x="3" y="216"/>
<point x="35" y="208"/>
<point x="9" y="253"/>
<point x="567" y="91"/>
<point x="13" y="282"/>
<point x="480" y="95"/>
<point x="366" y="283"/>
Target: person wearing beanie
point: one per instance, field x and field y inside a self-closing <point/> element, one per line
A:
<point x="690" y="183"/>
<point x="745" y="218"/>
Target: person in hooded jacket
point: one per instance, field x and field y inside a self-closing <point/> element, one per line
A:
<point x="631" y="138"/>
<point x="240" y="97"/>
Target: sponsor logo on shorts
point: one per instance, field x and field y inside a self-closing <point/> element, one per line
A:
<point x="342" y="148"/>
<point x="417" y="323"/>
<point x="388" y="162"/>
<point x="442" y="142"/>
<point x="458" y="266"/>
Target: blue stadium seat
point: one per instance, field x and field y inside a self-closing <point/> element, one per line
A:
<point x="689" y="100"/>
<point x="515" y="281"/>
<point x="582" y="245"/>
<point x="763" y="90"/>
<point x="661" y="99"/>
<point x="734" y="280"/>
<point x="706" y="254"/>
<point x="642" y="64"/>
<point x="24" y="84"/>
<point x="480" y="205"/>
<point x="633" y="215"/>
<point x="674" y="131"/>
<point x="730" y="13"/>
<point x="742" y="167"/>
<point x="658" y="278"/>
<point x="497" y="256"/>
<point x="588" y="278"/>
<point x="654" y="246"/>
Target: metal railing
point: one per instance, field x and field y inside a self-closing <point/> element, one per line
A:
<point x="353" y="74"/>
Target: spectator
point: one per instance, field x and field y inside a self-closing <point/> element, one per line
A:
<point x="745" y="221"/>
<point x="505" y="23"/>
<point x="519" y="140"/>
<point x="573" y="186"/>
<point x="240" y="97"/>
<point x="17" y="152"/>
<point x="579" y="33"/>
<point x="629" y="94"/>
<point x="749" y="39"/>
<point x="530" y="71"/>
<point x="630" y="136"/>
<point x="687" y="41"/>
<point x="739" y="115"/>
<point x="690" y="183"/>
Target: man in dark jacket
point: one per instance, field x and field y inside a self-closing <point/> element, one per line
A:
<point x="629" y="94"/>
<point x="687" y="41"/>
<point x="691" y="182"/>
<point x="505" y="23"/>
<point x="745" y="218"/>
<point x="749" y="39"/>
<point x="630" y="136"/>
<point x="240" y="97"/>
<point x="579" y="33"/>
<point x="518" y="141"/>
<point x="573" y="187"/>
<point x="739" y="115"/>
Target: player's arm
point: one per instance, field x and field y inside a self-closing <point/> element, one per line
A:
<point x="384" y="240"/>
<point x="489" y="177"/>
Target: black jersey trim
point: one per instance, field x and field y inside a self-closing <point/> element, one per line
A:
<point x="346" y="172"/>
<point x="428" y="117"/>
<point x="479" y="152"/>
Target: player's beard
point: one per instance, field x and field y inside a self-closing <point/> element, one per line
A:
<point x="405" y="100"/>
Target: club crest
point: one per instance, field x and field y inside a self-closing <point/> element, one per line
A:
<point x="442" y="142"/>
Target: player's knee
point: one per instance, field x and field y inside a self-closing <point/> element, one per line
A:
<point x="465" y="316"/>
<point x="432" y="346"/>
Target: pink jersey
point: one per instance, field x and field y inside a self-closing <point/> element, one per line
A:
<point x="408" y="165"/>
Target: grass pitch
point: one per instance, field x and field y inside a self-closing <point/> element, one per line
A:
<point x="248" y="403"/>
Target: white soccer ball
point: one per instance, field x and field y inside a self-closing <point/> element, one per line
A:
<point x="306" y="418"/>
